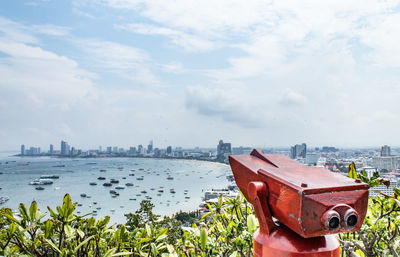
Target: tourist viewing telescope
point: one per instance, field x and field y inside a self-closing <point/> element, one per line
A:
<point x="298" y="206"/>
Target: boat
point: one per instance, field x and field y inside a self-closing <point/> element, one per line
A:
<point x="141" y="169"/>
<point x="79" y="204"/>
<point x="4" y="199"/>
<point x="187" y="197"/>
<point x="141" y="178"/>
<point x="172" y="191"/>
<point x="152" y="189"/>
<point x="170" y="178"/>
<point x="101" y="178"/>
<point x="120" y="168"/>
<point x="103" y="170"/>
<point x="39" y="188"/>
<point x="50" y="176"/>
<point x="41" y="182"/>
<point x="94" y="202"/>
<point x="161" y="191"/>
<point x="129" y="184"/>
<point x="59" y="166"/>
<point x="158" y="194"/>
<point x="119" y="187"/>
<point x="93" y="183"/>
<point x="107" y="184"/>
<point x="123" y="177"/>
<point x="114" y="181"/>
<point x="143" y="192"/>
<point x="113" y="192"/>
<point x="148" y="197"/>
<point x="132" y="175"/>
<point x="132" y="199"/>
<point x="83" y="195"/>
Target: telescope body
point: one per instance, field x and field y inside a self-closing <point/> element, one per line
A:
<point x="310" y="201"/>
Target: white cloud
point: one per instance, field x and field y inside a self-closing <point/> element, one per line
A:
<point x="126" y="61"/>
<point x="189" y="42"/>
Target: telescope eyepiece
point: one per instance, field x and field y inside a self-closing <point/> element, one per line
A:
<point x="331" y="220"/>
<point x="351" y="218"/>
<point x="334" y="223"/>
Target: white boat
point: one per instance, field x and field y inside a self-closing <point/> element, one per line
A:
<point x="41" y="182"/>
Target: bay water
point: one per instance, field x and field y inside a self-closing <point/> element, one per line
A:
<point x="187" y="178"/>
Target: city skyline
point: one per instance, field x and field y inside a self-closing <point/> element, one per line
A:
<point x="186" y="72"/>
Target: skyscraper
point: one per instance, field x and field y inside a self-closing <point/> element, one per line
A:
<point x="385" y="150"/>
<point x="223" y="150"/>
<point x="64" y="148"/>
<point x="51" y="150"/>
<point x="298" y="151"/>
<point x="22" y="149"/>
<point x="150" y="147"/>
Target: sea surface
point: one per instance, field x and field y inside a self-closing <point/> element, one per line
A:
<point x="190" y="179"/>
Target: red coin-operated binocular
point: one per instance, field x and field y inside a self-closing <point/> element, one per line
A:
<point x="308" y="204"/>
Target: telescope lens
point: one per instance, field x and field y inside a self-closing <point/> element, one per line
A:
<point x="352" y="220"/>
<point x="334" y="223"/>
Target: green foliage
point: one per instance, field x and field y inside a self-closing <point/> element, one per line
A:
<point x="225" y="230"/>
<point x="221" y="232"/>
<point x="380" y="232"/>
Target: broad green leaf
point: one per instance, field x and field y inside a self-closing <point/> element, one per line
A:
<point x="234" y="254"/>
<point x="203" y="239"/>
<point x="352" y="171"/>
<point x="251" y="223"/>
<point x="24" y="211"/>
<point x="80" y="233"/>
<point x="10" y="217"/>
<point x="153" y="249"/>
<point x="52" y="213"/>
<point x="53" y="246"/>
<point x="148" y="230"/>
<point x="12" y="228"/>
<point x="32" y="211"/>
<point x="110" y="252"/>
<point x="69" y="231"/>
<point x="82" y="243"/>
<point x="122" y="254"/>
<point x="48" y="228"/>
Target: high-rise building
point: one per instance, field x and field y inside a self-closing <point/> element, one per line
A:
<point x="140" y="149"/>
<point x="132" y="150"/>
<point x="64" y="148"/>
<point x="109" y="149"/>
<point x="22" y="149"/>
<point x="169" y="149"/>
<point x="223" y="150"/>
<point x="51" y="151"/>
<point x="298" y="151"/>
<point x="150" y="147"/>
<point x="385" y="150"/>
<point x="389" y="163"/>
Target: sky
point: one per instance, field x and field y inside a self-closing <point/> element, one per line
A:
<point x="189" y="73"/>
